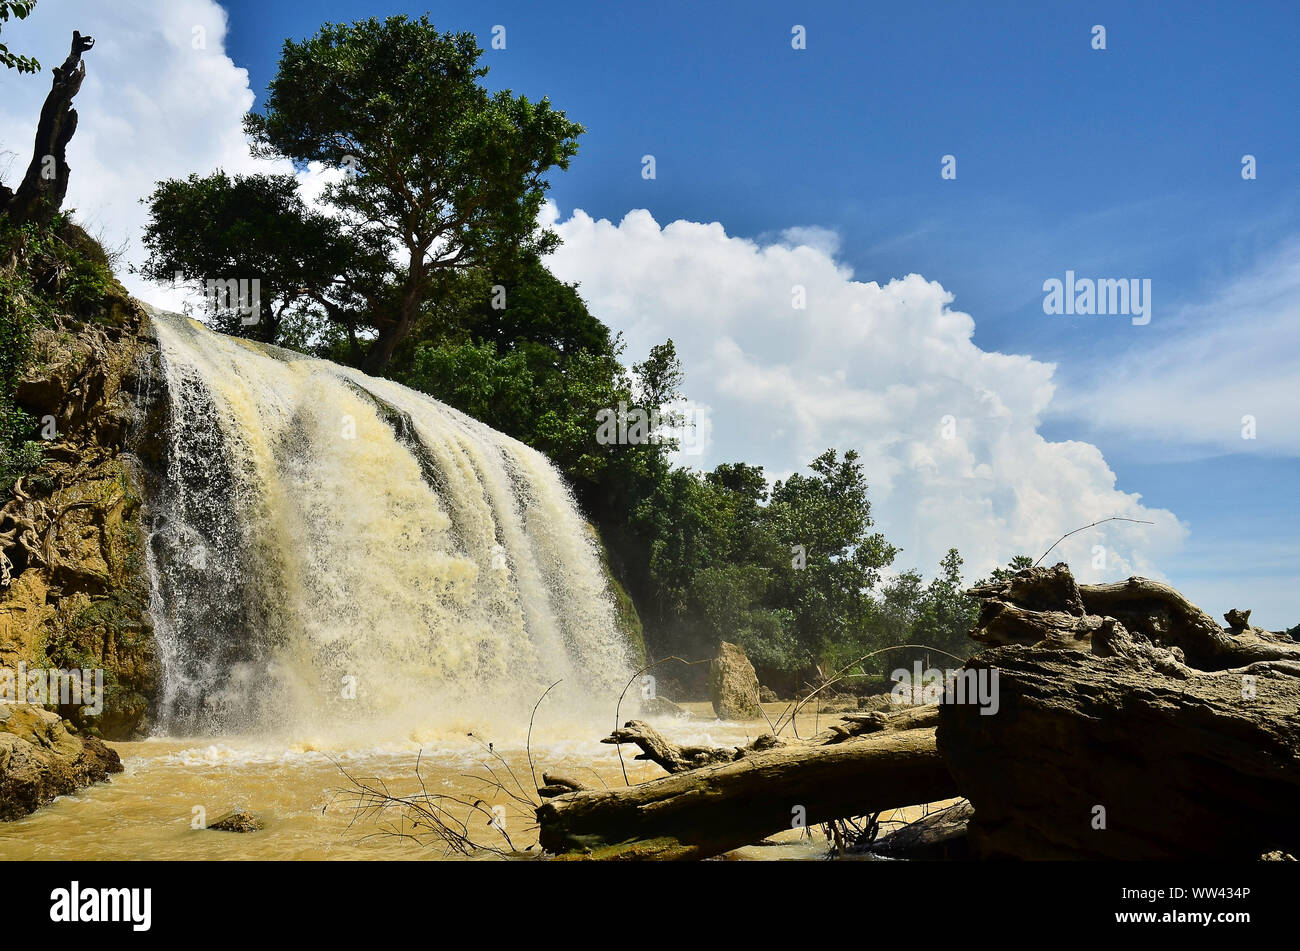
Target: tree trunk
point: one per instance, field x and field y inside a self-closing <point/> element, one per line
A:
<point x="381" y="351"/>
<point x="40" y="195"/>
<point x="1106" y="758"/>
<point x="707" y="811"/>
<point x="939" y="836"/>
<point x="1125" y="734"/>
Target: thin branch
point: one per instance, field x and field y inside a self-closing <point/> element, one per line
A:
<point x="528" y="744"/>
<point x="1113" y="518"/>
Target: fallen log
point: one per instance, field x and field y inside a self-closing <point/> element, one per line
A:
<point x="706" y="811"/>
<point x="674" y="758"/>
<point x="1044" y="606"/>
<point x="1127" y="735"/>
<point x="940" y="835"/>
<point x="1162" y="615"/>
<point x="878" y="721"/>
<point x="557" y="784"/>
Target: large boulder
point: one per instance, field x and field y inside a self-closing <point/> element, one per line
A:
<point x="41" y="759"/>
<point x="734" y="685"/>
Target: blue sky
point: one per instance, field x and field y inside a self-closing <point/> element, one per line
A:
<point x="1117" y="163"/>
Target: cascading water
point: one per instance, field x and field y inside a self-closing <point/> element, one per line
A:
<point x="333" y="550"/>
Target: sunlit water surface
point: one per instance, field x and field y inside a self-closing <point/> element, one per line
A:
<point x="301" y="788"/>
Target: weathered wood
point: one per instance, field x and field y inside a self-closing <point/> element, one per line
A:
<point x="557" y="784"/>
<point x="1183" y="768"/>
<point x="675" y="758"/>
<point x="940" y="835"/>
<point x="1123" y="731"/>
<point x="880" y="721"/>
<point x="707" y="811"/>
<point x="1161" y="614"/>
<point x="1044" y="606"/>
<point x="40" y="194"/>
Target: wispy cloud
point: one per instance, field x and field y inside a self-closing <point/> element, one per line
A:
<point x="1207" y="371"/>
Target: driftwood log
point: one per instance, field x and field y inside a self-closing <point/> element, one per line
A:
<point x="939" y="835"/>
<point x="1114" y="721"/>
<point x="1129" y="726"/>
<point x="705" y="811"/>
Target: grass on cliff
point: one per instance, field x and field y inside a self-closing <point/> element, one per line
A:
<point x="45" y="273"/>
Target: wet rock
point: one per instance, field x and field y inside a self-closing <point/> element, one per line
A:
<point x="767" y="695"/>
<point x="660" y="707"/>
<point x="40" y="759"/>
<point x="237" y="821"/>
<point x="734" y="685"/>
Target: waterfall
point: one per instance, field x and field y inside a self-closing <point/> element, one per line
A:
<point x="329" y="549"/>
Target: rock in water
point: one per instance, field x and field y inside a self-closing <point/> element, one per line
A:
<point x="40" y="759"/>
<point x="237" y="821"/>
<point x="734" y="684"/>
<point x="660" y="707"/>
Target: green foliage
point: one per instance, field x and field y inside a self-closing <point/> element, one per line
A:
<point x="17" y="455"/>
<point x="1017" y="564"/>
<point x="827" y="513"/>
<point x="526" y="392"/>
<point x="44" y="270"/>
<point x="946" y="614"/>
<point x="447" y="173"/>
<point x="20" y="10"/>
<point x="257" y="228"/>
<point x="659" y="377"/>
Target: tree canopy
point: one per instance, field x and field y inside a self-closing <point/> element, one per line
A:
<point x="449" y="174"/>
<point x="215" y="228"/>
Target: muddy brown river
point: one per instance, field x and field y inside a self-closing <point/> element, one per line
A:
<point x="299" y="787"/>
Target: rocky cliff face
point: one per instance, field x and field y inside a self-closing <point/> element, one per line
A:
<point x="41" y="758"/>
<point x="73" y="593"/>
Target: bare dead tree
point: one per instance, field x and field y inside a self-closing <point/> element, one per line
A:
<point x="40" y="194"/>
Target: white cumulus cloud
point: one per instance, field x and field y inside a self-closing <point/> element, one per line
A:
<point x="948" y="432"/>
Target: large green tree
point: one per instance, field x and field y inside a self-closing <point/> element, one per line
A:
<point x="213" y="229"/>
<point x="825" y="520"/>
<point x="448" y="172"/>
